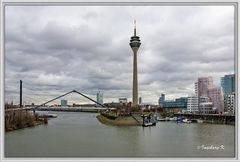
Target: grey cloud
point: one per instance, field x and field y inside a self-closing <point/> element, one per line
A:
<point x="86" y="48"/>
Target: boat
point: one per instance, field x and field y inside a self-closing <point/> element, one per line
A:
<point x="167" y="119"/>
<point x="148" y="124"/>
<point x="186" y="121"/>
<point x="199" y="121"/>
<point x="179" y="120"/>
<point x="148" y="121"/>
<point x="161" y="119"/>
<point x="173" y="119"/>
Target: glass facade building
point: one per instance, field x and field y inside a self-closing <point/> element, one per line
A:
<point x="100" y="98"/>
<point x="161" y="100"/>
<point x="228" y="84"/>
<point x="178" y="103"/>
<point x="63" y="103"/>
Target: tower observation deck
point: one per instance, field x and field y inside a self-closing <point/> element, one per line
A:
<point x="135" y="44"/>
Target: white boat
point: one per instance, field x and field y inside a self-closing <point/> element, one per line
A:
<point x="167" y="119"/>
<point x="199" y="121"/>
<point x="186" y="121"/>
<point x="161" y="119"/>
<point x="173" y="119"/>
<point x="148" y="124"/>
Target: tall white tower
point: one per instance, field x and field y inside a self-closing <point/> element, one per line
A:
<point x="135" y="44"/>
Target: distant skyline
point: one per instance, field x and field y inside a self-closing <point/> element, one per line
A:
<point x="55" y="49"/>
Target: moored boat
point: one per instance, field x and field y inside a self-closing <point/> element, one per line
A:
<point x="148" y="124"/>
<point x="179" y="120"/>
<point x="167" y="119"/>
<point x="161" y="119"/>
<point x="173" y="119"/>
<point x="199" y="121"/>
<point x="148" y="121"/>
<point x="186" y="121"/>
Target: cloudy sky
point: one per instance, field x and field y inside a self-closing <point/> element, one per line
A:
<point x="55" y="49"/>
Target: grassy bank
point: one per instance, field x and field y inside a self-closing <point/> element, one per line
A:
<point x="21" y="119"/>
<point x="120" y="121"/>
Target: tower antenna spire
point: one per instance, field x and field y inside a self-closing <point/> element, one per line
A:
<point x="135" y="28"/>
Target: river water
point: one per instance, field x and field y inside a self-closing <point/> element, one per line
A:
<point x="78" y="134"/>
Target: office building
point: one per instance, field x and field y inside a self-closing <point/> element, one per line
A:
<point x="135" y="44"/>
<point x="63" y="103"/>
<point x="177" y="103"/>
<point x="206" y="108"/>
<point x="100" y="97"/>
<point x="229" y="104"/>
<point x="140" y="100"/>
<point x="161" y="100"/>
<point x="216" y="97"/>
<point x="203" y="84"/>
<point x="122" y="100"/>
<point x="205" y="105"/>
<point x="228" y="84"/>
<point x="196" y="88"/>
<point x="192" y="104"/>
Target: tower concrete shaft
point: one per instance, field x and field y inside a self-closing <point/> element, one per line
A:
<point x="135" y="44"/>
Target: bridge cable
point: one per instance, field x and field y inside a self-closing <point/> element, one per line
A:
<point x="89" y="98"/>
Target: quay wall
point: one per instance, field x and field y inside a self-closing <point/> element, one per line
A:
<point x="210" y="118"/>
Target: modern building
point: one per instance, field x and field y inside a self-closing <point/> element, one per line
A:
<point x="100" y="97"/>
<point x="177" y="103"/>
<point x="205" y="106"/>
<point x="196" y="88"/>
<point x="161" y="100"/>
<point x="216" y="97"/>
<point x="63" y="103"/>
<point x="192" y="104"/>
<point x="229" y="104"/>
<point x="122" y="100"/>
<point x="135" y="44"/>
<point x="201" y="88"/>
<point x="140" y="100"/>
<point x="228" y="84"/>
<point x="203" y="84"/>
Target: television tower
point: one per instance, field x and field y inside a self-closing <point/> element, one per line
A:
<point x="135" y="44"/>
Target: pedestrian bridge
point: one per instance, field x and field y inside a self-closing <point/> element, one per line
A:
<point x="74" y="109"/>
<point x="43" y="107"/>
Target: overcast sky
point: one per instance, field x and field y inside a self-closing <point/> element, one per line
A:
<point x="55" y="49"/>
